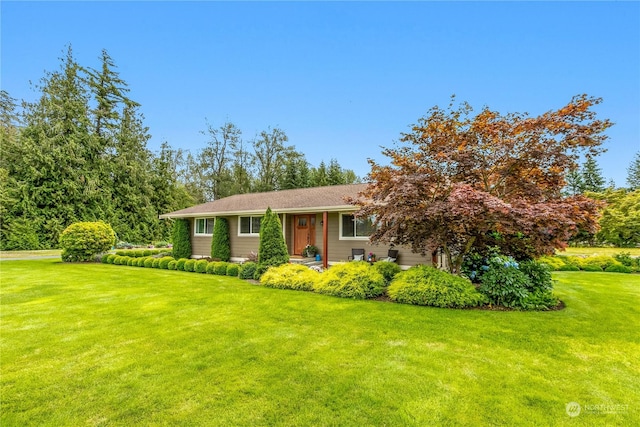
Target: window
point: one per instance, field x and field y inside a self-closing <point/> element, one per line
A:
<point x="204" y="227"/>
<point x="355" y="228"/>
<point x="249" y="225"/>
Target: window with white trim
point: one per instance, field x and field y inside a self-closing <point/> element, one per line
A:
<point x="249" y="225"/>
<point x="203" y="227"/>
<point x="352" y="228"/>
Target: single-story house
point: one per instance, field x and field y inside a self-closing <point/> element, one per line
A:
<point x="317" y="216"/>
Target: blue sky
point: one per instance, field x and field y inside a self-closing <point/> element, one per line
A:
<point x="340" y="78"/>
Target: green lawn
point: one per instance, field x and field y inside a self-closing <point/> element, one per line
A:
<point x="29" y="254"/>
<point x="112" y="345"/>
<point x="589" y="251"/>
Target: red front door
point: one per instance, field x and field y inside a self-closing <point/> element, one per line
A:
<point x="304" y="232"/>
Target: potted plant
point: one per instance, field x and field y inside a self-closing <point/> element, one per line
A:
<point x="309" y="251"/>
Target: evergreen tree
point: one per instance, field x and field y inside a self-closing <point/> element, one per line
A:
<point x="574" y="183"/>
<point x="272" y="250"/>
<point x="335" y="175"/>
<point x="319" y="176"/>
<point x="181" y="238"/>
<point x="220" y="243"/>
<point x="592" y="176"/>
<point x="633" y="173"/>
<point x="59" y="166"/>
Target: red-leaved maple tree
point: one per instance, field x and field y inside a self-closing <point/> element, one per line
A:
<point x="460" y="182"/>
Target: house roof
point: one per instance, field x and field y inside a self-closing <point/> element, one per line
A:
<point x="330" y="198"/>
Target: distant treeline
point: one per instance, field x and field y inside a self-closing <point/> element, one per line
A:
<point x="79" y="153"/>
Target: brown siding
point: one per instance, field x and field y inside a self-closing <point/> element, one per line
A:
<point x="340" y="250"/>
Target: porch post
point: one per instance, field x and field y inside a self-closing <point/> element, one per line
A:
<point x="325" y="239"/>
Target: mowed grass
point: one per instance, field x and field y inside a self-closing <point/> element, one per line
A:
<point x="590" y="251"/>
<point x="29" y="254"/>
<point x="93" y="344"/>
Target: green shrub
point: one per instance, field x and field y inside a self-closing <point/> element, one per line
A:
<point x="164" y="262"/>
<point x="570" y="260"/>
<point x="190" y="265"/>
<point x="148" y="262"/>
<point x="617" y="268"/>
<point x="111" y="258"/>
<point x="132" y="262"/>
<point x="180" y="264"/>
<point x="104" y="259"/>
<point x="290" y="276"/>
<point x="247" y="270"/>
<point x="139" y="253"/>
<point x="351" y="280"/>
<point x="504" y="284"/>
<point x="81" y="241"/>
<point x="260" y="270"/>
<point x="273" y="249"/>
<point x="555" y="263"/>
<point x="210" y="267"/>
<point x="140" y="262"/>
<point x="181" y="239"/>
<point x="220" y="268"/>
<point x="626" y="259"/>
<point x="155" y="263"/>
<point x="161" y="244"/>
<point x="539" y="275"/>
<point x="116" y="260"/>
<point x="201" y="266"/>
<point x="388" y="270"/>
<point x="172" y="264"/>
<point x="569" y="267"/>
<point x="602" y="261"/>
<point x="539" y="300"/>
<point x="232" y="270"/>
<point x="147" y="252"/>
<point x="592" y="267"/>
<point x="220" y="243"/>
<point x="425" y="285"/>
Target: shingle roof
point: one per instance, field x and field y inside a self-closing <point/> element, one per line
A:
<point x="331" y="198"/>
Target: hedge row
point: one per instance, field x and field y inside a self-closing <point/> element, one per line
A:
<point x="139" y="253"/>
<point x="620" y="263"/>
<point x="169" y="263"/>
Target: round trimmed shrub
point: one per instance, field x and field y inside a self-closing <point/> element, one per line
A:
<point x="617" y="268"/>
<point x="555" y="263"/>
<point x="189" y="265"/>
<point x="247" y="270"/>
<point x="131" y="262"/>
<point x="425" y="285"/>
<point x="104" y="259"/>
<point x="355" y="280"/>
<point x="155" y="263"/>
<point x="140" y="261"/>
<point x="220" y="268"/>
<point x="232" y="270"/>
<point x="180" y="264"/>
<point x="148" y="262"/>
<point x="201" y="266"/>
<point x="164" y="262"/>
<point x="592" y="267"/>
<point x="211" y="267"/>
<point x="602" y="261"/>
<point x="569" y="267"/>
<point x="117" y="260"/>
<point x="172" y="264"/>
<point x="147" y="252"/>
<point x="111" y="258"/>
<point x="82" y="241"/>
<point x="388" y="270"/>
<point x="290" y="276"/>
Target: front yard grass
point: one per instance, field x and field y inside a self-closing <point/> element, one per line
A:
<point x="94" y="344"/>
